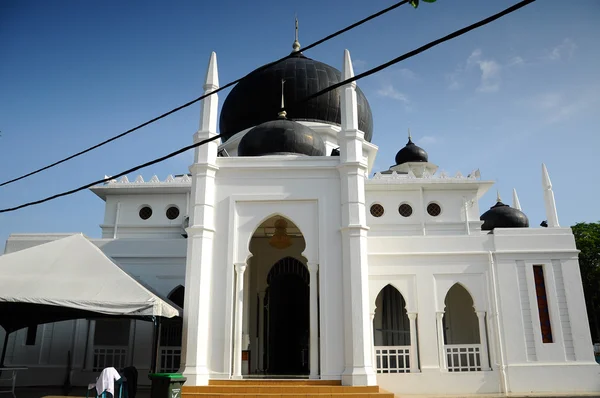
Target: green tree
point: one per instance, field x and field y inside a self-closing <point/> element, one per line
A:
<point x="587" y="239"/>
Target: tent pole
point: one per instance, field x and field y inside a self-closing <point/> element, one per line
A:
<point x="6" y="334"/>
<point x="155" y="339"/>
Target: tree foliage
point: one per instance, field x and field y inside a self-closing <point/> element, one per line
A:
<point x="587" y="239"/>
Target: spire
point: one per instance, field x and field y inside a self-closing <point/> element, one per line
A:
<point x="549" y="201"/>
<point x="209" y="105"/>
<point x="348" y="70"/>
<point x="498" y="198"/>
<point x="212" y="75"/>
<point x="348" y="102"/>
<point x="296" y="45"/>
<point x="282" y="113"/>
<point x="516" y="203"/>
<point x="546" y="183"/>
<point x="409" y="135"/>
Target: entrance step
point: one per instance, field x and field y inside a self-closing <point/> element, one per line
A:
<point x="282" y="388"/>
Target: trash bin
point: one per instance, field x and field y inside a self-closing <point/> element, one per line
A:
<point x="166" y="385"/>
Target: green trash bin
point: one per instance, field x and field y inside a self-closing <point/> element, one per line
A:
<point x="166" y="385"/>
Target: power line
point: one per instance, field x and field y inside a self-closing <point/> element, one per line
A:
<point x="187" y="104"/>
<point x="330" y="88"/>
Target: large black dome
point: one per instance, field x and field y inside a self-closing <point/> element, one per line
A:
<point x="411" y="153"/>
<point x="256" y="98"/>
<point x="281" y="137"/>
<point x="503" y="216"/>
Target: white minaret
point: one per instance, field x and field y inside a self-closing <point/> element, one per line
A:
<point x="196" y="314"/>
<point x="353" y="168"/>
<point x="549" y="202"/>
<point x="516" y="203"/>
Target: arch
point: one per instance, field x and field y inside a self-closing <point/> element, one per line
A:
<point x="265" y="219"/>
<point x="289" y="265"/>
<point x="391" y="326"/>
<point x="177" y="295"/>
<point x="461" y="325"/>
<point x="473" y="284"/>
<point x="404" y="285"/>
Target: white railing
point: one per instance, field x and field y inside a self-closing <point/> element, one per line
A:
<point x="106" y="356"/>
<point x="170" y="359"/>
<point x="392" y="359"/>
<point x="463" y="357"/>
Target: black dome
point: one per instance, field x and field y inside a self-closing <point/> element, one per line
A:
<point x="411" y="153"/>
<point x="503" y="216"/>
<point x="280" y="137"/>
<point x="257" y="97"/>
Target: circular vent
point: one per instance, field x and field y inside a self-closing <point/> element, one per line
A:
<point x="433" y="209"/>
<point x="405" y="210"/>
<point x="377" y="210"/>
<point x="145" y="212"/>
<point x="172" y="212"/>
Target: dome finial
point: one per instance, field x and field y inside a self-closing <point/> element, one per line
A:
<point x="296" y="45"/>
<point x="498" y="198"/>
<point x="282" y="114"/>
<point x="409" y="135"/>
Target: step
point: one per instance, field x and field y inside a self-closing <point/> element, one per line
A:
<point x="282" y="388"/>
<point x="288" y="389"/>
<point x="271" y="382"/>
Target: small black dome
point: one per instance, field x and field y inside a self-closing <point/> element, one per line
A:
<point x="256" y="99"/>
<point x="411" y="153"/>
<point x="503" y="216"/>
<point x="281" y="137"/>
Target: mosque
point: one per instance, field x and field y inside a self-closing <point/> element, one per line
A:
<point x="293" y="258"/>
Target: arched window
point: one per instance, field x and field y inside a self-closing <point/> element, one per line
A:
<point x="463" y="347"/>
<point x="391" y="332"/>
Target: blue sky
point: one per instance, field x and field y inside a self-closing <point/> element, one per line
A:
<point x="504" y="98"/>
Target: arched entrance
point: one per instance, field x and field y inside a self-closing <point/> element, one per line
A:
<point x="288" y="318"/>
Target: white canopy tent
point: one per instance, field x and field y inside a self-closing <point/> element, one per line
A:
<point x="70" y="278"/>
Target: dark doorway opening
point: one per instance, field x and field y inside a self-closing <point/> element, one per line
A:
<point x="288" y="318"/>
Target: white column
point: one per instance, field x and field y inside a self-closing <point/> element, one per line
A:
<point x="485" y="362"/>
<point x="199" y="259"/>
<point x="314" y="321"/>
<point x="239" y="318"/>
<point x="358" y="366"/>
<point x="441" y="347"/>
<point x="414" y="357"/>
<point x="373" y="357"/>
<point x="261" y="330"/>
<point x="246" y="322"/>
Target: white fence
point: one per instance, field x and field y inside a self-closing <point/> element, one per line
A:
<point x="170" y="359"/>
<point x="105" y="356"/>
<point x="463" y="357"/>
<point x="392" y="359"/>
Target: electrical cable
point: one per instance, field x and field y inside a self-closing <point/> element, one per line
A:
<point x="330" y="88"/>
<point x="123" y="134"/>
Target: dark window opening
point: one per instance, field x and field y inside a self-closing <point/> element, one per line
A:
<point x="542" y="302"/>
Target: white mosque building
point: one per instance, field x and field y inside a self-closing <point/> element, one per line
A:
<point x="301" y="261"/>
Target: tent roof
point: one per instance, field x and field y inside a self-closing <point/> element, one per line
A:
<point x="73" y="274"/>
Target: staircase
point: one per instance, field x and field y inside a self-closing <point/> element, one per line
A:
<point x="281" y="388"/>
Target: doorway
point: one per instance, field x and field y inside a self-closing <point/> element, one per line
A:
<point x="287" y="317"/>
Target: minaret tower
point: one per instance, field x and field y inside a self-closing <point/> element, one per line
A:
<point x="549" y="201"/>
<point x="197" y="313"/>
<point x="353" y="168"/>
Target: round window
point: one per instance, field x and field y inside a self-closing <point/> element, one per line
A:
<point x="405" y="210"/>
<point x="433" y="209"/>
<point x="145" y="212"/>
<point x="172" y="212"/>
<point x="377" y="210"/>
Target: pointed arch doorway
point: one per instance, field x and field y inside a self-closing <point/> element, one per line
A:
<point x="287" y="317"/>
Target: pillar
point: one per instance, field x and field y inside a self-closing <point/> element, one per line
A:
<point x="358" y="365"/>
<point x="485" y="358"/>
<point x="261" y="331"/>
<point x="373" y="356"/>
<point x="414" y="354"/>
<point x="89" y="354"/>
<point x="549" y="201"/>
<point x="441" y="345"/>
<point x="199" y="258"/>
<point x="239" y="319"/>
<point x="314" y="321"/>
